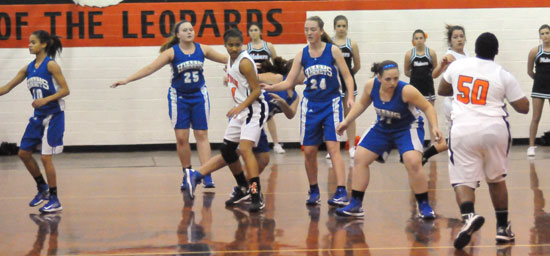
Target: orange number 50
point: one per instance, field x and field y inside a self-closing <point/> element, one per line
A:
<point x="478" y="95"/>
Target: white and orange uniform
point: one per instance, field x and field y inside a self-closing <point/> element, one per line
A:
<point x="479" y="138"/>
<point x="248" y="124"/>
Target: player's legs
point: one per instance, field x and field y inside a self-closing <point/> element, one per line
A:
<point x="29" y="162"/>
<point x="333" y="148"/>
<point x="272" y="127"/>
<point x="182" y="147"/>
<point x="360" y="181"/>
<point x="351" y="130"/>
<point x="432" y="138"/>
<point x="538" y="104"/>
<point x="310" y="161"/>
<point x="417" y="177"/>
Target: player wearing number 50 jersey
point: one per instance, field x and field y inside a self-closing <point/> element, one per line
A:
<point x="188" y="101"/>
<point x="47" y="124"/>
<point x="479" y="138"/>
<point x="321" y="106"/>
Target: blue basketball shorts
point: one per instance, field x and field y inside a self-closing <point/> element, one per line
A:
<point x="318" y="121"/>
<point x="189" y="109"/>
<point x="382" y="142"/>
<point x="46" y="130"/>
<point x="263" y="145"/>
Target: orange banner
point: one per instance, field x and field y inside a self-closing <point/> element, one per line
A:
<point x="149" y="24"/>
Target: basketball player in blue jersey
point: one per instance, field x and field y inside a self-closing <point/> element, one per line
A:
<point x="47" y="125"/>
<point x="350" y="50"/>
<point x="188" y="100"/>
<point x="539" y="59"/>
<point x="398" y="124"/>
<point x="419" y="64"/>
<point x="263" y="52"/>
<point x="321" y="106"/>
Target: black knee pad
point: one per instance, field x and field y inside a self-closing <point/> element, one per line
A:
<point x="229" y="151"/>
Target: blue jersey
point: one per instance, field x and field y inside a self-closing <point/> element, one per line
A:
<point x="322" y="83"/>
<point x="187" y="76"/>
<point x="274" y="108"/>
<point x="41" y="85"/>
<point x="394" y="115"/>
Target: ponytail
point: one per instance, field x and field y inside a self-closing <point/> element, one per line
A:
<point x="378" y="68"/>
<point x="324" y="37"/>
<point x="279" y="66"/>
<point x="173" y="39"/>
<point x="53" y="43"/>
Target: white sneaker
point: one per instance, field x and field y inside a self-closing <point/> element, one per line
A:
<point x="278" y="149"/>
<point x="531" y="151"/>
<point x="351" y="152"/>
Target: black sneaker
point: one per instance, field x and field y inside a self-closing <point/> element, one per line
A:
<point x="239" y="194"/>
<point x="505" y="234"/>
<point x="257" y="201"/>
<point x="471" y="224"/>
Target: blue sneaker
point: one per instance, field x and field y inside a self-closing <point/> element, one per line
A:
<point x="53" y="205"/>
<point x="43" y="193"/>
<point x="340" y="198"/>
<point x="192" y="179"/>
<point x="183" y="186"/>
<point x="207" y="182"/>
<point x="353" y="209"/>
<point x="314" y="198"/>
<point x="425" y="211"/>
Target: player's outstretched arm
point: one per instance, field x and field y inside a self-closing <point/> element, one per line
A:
<point x="164" y="58"/>
<point x="357" y="108"/>
<point x="19" y="77"/>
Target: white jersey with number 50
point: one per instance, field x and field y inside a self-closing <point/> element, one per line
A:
<point x="480" y="87"/>
<point x="237" y="81"/>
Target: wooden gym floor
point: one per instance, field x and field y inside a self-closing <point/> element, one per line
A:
<point x="130" y="204"/>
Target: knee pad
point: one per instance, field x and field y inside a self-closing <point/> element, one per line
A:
<point x="229" y="151"/>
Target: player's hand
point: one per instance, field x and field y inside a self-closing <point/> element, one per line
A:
<point x="351" y="101"/>
<point x="438" y="136"/>
<point x="276" y="98"/>
<point x="119" y="83"/>
<point x="341" y="127"/>
<point x="267" y="87"/>
<point x="233" y="112"/>
<point x="39" y="103"/>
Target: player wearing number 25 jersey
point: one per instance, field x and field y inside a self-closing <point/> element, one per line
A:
<point x="188" y="100"/>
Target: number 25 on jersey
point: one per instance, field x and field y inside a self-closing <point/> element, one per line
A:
<point x="477" y="95"/>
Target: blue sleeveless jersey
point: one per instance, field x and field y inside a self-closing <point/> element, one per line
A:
<point x="322" y="83"/>
<point x="41" y="85"/>
<point x="187" y="76"/>
<point x="394" y="115"/>
<point x="274" y="108"/>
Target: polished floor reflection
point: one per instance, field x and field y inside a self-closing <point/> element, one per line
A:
<point x="130" y="204"/>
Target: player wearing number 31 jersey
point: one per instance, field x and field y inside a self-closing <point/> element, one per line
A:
<point x="479" y="138"/>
